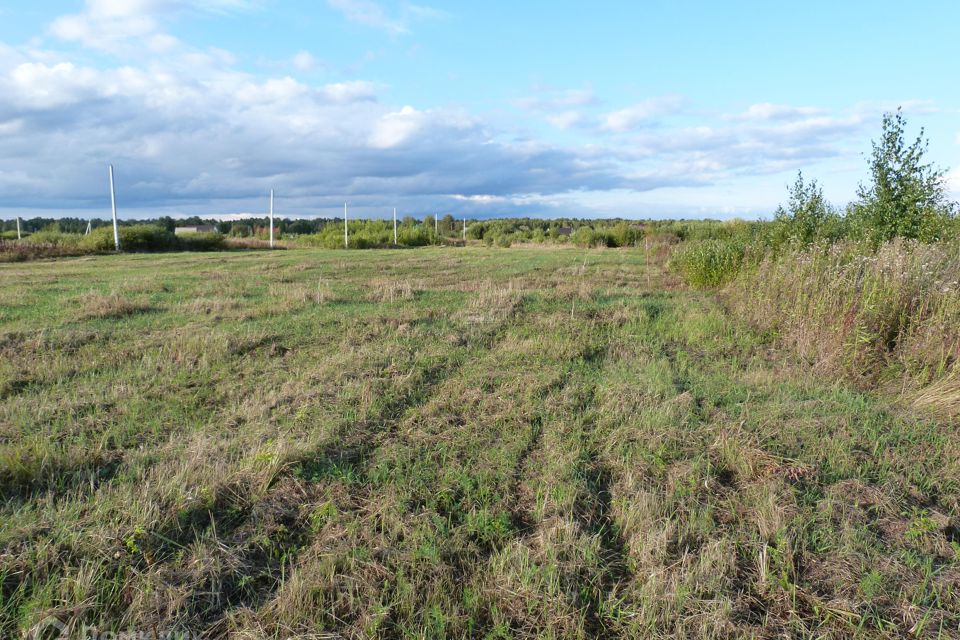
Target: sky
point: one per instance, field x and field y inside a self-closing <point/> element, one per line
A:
<point x="618" y="109"/>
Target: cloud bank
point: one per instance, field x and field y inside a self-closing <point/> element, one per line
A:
<point x="190" y="131"/>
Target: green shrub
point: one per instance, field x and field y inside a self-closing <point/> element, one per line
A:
<point x="415" y="236"/>
<point x="53" y="236"/>
<point x="201" y="241"/>
<point x="135" y="238"/>
<point x="587" y="237"/>
<point x="805" y="218"/>
<point x="709" y="263"/>
<point x="906" y="198"/>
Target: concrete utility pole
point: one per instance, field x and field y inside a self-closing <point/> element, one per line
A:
<point x="395" y="226"/>
<point x="436" y="224"/>
<point x="271" y="218"/>
<point x="346" y="233"/>
<point x="113" y="205"/>
<point x="89" y="228"/>
<point x="18" y="227"/>
<point x="464" y="229"/>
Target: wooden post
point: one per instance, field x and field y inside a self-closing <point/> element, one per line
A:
<point x="113" y="206"/>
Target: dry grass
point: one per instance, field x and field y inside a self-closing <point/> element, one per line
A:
<point x="481" y="444"/>
<point x="95" y="305"/>
<point x="890" y="319"/>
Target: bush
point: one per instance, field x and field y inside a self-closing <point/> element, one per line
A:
<point x="709" y="263"/>
<point x="415" y="236"/>
<point x="587" y="237"/>
<point x="906" y="198"/>
<point x="806" y="216"/>
<point x="135" y="238"/>
<point x="53" y="236"/>
<point x="201" y="241"/>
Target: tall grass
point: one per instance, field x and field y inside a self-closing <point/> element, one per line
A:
<point x="890" y="318"/>
<point x="709" y="263"/>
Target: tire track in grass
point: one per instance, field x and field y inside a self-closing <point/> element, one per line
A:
<point x="254" y="532"/>
<point x="453" y="495"/>
<point x="556" y="573"/>
<point x="349" y="452"/>
<point x="637" y="383"/>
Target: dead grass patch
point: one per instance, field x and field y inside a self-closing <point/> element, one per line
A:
<point x="110" y="306"/>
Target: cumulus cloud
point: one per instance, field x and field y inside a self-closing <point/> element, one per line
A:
<point x="190" y="131"/>
<point x="109" y="25"/>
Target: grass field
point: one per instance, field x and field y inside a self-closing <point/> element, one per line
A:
<point x="447" y="443"/>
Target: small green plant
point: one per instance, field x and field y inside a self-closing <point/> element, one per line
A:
<point x="921" y="525"/>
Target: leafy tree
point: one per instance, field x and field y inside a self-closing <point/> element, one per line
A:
<point x="446" y="224"/>
<point x="906" y="196"/>
<point x="807" y="212"/>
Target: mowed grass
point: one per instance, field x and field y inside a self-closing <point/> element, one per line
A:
<point x="447" y="443"/>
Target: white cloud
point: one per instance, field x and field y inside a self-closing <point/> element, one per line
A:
<point x="551" y="100"/>
<point x="393" y="129"/>
<point x="304" y="61"/>
<point x="565" y="119"/>
<point x="352" y="91"/>
<point x="188" y="128"/>
<point x="373" y="14"/>
<point x="642" y="113"/>
<point x="109" y="25"/>
<point x="952" y="179"/>
<point x="38" y="85"/>
<point x="770" y="111"/>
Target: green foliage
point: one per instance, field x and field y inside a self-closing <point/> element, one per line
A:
<point x="709" y="263"/>
<point x="52" y="235"/>
<point x="417" y="235"/>
<point x="906" y="196"/>
<point x="806" y="216"/>
<point x="201" y="241"/>
<point x="588" y="237"/>
<point x="136" y="238"/>
<point x="369" y="234"/>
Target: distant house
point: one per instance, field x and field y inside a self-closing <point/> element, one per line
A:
<point x="565" y="231"/>
<point x="200" y="228"/>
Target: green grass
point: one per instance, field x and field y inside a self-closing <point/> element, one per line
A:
<point x="447" y="443"/>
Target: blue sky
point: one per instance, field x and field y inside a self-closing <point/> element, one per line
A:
<point x="655" y="109"/>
